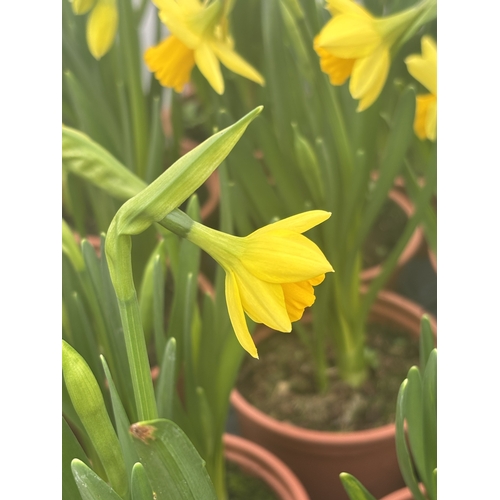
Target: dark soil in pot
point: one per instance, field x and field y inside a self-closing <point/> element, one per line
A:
<point x="282" y="384"/>
<point x="242" y="486"/>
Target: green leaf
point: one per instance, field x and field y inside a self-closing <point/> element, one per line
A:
<point x="354" y="488"/>
<point x="122" y="422"/>
<point x="403" y="454"/>
<point x="141" y="489"/>
<point x="429" y="401"/>
<point x="174" y="467"/>
<point x="70" y="449"/>
<point x="426" y="341"/>
<point x="89" y="160"/>
<point x="90" y="485"/>
<point x="398" y="141"/>
<point x="413" y="412"/>
<point x="146" y="293"/>
<point x="166" y="386"/>
<point x="159" y="303"/>
<point x="131" y="63"/>
<point x="154" y="165"/>
<point x="89" y="405"/>
<point x="89" y="121"/>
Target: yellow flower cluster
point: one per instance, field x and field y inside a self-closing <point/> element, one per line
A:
<point x="358" y="45"/>
<point x="198" y="35"/>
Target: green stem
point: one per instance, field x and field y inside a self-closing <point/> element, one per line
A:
<point x="138" y="358"/>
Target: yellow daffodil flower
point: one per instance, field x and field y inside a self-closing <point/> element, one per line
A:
<point x="198" y="35"/>
<point x="356" y="44"/>
<point x="424" y="69"/>
<point x="101" y="24"/>
<point x="270" y="274"/>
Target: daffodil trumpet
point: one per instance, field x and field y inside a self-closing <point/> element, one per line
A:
<point x="424" y="69"/>
<point x="199" y="36"/>
<point x="357" y="45"/>
<point x="270" y="274"/>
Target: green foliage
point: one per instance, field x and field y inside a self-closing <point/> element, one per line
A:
<point x="416" y="427"/>
<point x="172" y="464"/>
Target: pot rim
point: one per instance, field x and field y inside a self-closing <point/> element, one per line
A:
<point x="267" y="466"/>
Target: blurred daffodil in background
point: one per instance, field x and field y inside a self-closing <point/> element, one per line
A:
<point x="424" y="69"/>
<point x="270" y="274"/>
<point x="198" y="35"/>
<point x="356" y="44"/>
<point x="101" y="24"/>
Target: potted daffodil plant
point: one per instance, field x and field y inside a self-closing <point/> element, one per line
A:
<point x="345" y="117"/>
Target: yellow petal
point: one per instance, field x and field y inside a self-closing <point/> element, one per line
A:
<point x="298" y="296"/>
<point x="431" y="121"/>
<point x="171" y="62"/>
<point x="283" y="256"/>
<point x="349" y="36"/>
<point x="337" y="69"/>
<point x="316" y="281"/>
<point x="429" y="49"/>
<point x="237" y="316"/>
<point x="209" y="66"/>
<point x="368" y="77"/>
<point x="236" y="63"/>
<point x="424" y="124"/>
<point x="424" y="68"/>
<point x="176" y="18"/>
<point x="263" y="302"/>
<point x="345" y="6"/>
<point x="101" y="27"/>
<point x="299" y="223"/>
<point x="82" y="6"/>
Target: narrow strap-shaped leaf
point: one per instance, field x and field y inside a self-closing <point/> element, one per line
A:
<point x="354" y="488"/>
<point x="141" y="489"/>
<point x="166" y="386"/>
<point x="89" y="405"/>
<point x="131" y="61"/>
<point x="429" y="401"/>
<point x="88" y="121"/>
<point x="70" y="449"/>
<point x="174" y="467"/>
<point x="90" y="485"/>
<point x="154" y="165"/>
<point x="205" y="427"/>
<point x="122" y="423"/>
<point x="403" y="454"/>
<point x="413" y="411"/>
<point x="146" y="292"/>
<point x="89" y="160"/>
<point x="159" y="269"/>
<point x="426" y="342"/>
<point x="398" y="141"/>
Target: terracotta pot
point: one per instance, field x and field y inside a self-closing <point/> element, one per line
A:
<point x="259" y="462"/>
<point x="318" y="457"/>
<point x="411" y="248"/>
